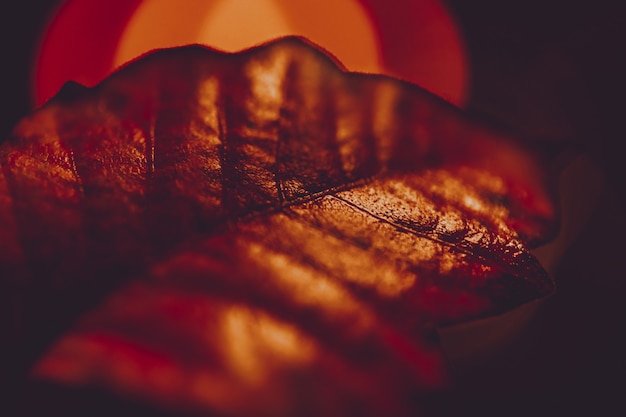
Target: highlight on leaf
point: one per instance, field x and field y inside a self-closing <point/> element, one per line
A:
<point x="259" y="233"/>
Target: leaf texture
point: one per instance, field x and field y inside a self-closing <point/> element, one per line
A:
<point x="259" y="234"/>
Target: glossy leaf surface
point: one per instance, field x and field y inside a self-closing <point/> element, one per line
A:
<point x="259" y="234"/>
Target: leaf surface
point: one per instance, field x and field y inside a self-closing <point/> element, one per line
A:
<point x="259" y="233"/>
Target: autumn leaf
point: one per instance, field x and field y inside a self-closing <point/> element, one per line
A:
<point x="259" y="234"/>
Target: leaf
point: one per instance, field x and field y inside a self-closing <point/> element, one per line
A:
<point x="258" y="233"/>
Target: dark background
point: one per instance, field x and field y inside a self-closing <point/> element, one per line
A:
<point x="552" y="71"/>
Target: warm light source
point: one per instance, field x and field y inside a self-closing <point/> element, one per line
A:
<point x="415" y="40"/>
<point x="232" y="25"/>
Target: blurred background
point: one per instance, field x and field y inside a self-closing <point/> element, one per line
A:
<point x="552" y="72"/>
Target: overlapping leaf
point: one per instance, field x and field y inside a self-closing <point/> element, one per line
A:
<point x="271" y="235"/>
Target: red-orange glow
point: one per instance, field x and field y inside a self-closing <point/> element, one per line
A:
<point x="416" y="40"/>
<point x="233" y="25"/>
<point x="421" y="43"/>
<point x="79" y="44"/>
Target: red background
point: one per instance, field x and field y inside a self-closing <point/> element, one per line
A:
<point x="550" y="70"/>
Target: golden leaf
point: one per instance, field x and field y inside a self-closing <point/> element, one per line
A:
<point x="258" y="233"/>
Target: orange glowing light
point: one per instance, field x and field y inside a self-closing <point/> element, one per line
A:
<point x="233" y="25"/>
<point x="417" y="41"/>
